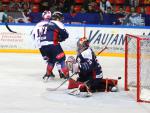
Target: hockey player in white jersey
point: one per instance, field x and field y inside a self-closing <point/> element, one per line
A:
<point x="47" y="36"/>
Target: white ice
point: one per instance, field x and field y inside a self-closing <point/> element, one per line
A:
<point x="23" y="91"/>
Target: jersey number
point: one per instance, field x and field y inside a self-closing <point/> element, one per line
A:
<point x="42" y="33"/>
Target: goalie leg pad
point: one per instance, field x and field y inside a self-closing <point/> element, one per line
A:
<point x="76" y="84"/>
<point x="102" y="85"/>
<point x="111" y="81"/>
<point x="73" y="84"/>
<point x="83" y="88"/>
<point x="111" y="84"/>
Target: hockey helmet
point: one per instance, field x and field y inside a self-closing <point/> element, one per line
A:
<point x="57" y="15"/>
<point x="46" y="15"/>
<point x="82" y="44"/>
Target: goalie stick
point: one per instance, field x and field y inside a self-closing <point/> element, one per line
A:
<point x="102" y="50"/>
<point x="84" y="28"/>
<point x="54" y="89"/>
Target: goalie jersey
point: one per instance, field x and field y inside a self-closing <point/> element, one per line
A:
<point x="47" y="33"/>
<point x="90" y="69"/>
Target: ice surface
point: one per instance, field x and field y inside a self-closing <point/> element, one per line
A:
<point x="23" y="91"/>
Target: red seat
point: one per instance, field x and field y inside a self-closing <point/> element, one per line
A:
<point x="5" y="7"/>
<point x="141" y="2"/>
<point x="112" y="1"/>
<point x="27" y="0"/>
<point x="36" y="1"/>
<point x="77" y="8"/>
<point x="116" y="9"/>
<point x="127" y="9"/>
<point x="17" y="0"/>
<point x="120" y="2"/>
<point x="147" y="10"/>
<point x="138" y="9"/>
<point x="97" y="1"/>
<point x="12" y="9"/>
<point x="5" y="1"/>
<point x="79" y="1"/>
<point x="35" y="8"/>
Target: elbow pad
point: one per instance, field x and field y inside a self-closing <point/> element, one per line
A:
<point x="63" y="35"/>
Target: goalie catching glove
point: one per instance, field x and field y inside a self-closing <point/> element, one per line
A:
<point x="72" y="65"/>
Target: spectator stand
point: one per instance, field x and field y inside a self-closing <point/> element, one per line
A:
<point x="77" y="16"/>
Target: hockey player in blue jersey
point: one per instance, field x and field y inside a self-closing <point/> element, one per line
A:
<point x="89" y="70"/>
<point x="47" y="35"/>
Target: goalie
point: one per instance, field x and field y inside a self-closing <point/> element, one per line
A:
<point x="90" y="73"/>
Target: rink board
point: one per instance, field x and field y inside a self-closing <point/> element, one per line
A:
<point x="99" y="36"/>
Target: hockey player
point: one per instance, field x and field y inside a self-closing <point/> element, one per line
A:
<point x="89" y="70"/>
<point x="48" y="34"/>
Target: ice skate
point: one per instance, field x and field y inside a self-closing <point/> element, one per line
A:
<point x="47" y="77"/>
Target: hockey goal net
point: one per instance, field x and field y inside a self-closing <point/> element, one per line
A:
<point x="137" y="66"/>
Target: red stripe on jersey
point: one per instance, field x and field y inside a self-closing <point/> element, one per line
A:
<point x="60" y="55"/>
<point x="55" y="37"/>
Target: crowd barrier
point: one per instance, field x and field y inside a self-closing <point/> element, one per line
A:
<point x="98" y="35"/>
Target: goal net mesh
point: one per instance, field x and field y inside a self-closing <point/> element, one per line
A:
<point x="138" y="66"/>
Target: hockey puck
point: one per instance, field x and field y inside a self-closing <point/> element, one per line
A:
<point x="119" y="78"/>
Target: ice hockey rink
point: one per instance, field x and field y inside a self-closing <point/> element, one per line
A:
<point x="23" y="91"/>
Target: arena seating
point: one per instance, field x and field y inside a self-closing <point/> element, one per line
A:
<point x="119" y="2"/>
<point x="79" y="1"/>
<point x="77" y="16"/>
<point x="36" y="1"/>
<point x="147" y="9"/>
<point x="35" y="8"/>
<point x="17" y="0"/>
<point x="5" y="1"/>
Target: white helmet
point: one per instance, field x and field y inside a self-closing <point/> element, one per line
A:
<point x="57" y="15"/>
<point x="46" y="15"/>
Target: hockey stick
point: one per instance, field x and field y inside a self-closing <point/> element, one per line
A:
<point x="84" y="29"/>
<point x="102" y="50"/>
<point x="54" y="89"/>
<point x="106" y="85"/>
<point x="6" y="24"/>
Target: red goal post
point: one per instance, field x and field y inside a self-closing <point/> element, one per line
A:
<point x="137" y="66"/>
